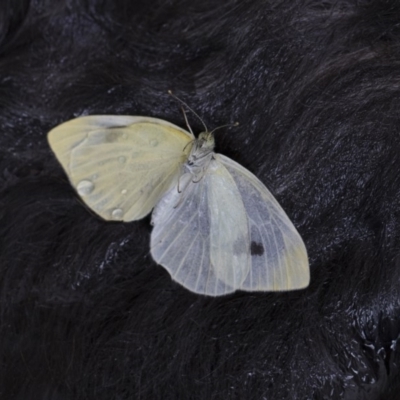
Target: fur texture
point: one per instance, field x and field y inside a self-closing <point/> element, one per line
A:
<point x="86" y="314"/>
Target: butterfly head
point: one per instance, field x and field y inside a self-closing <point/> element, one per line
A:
<point x="202" y="150"/>
<point x="206" y="141"/>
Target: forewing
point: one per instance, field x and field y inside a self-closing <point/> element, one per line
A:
<point x="229" y="233"/>
<point x="278" y="255"/>
<point x="120" y="165"/>
<point x="202" y="237"/>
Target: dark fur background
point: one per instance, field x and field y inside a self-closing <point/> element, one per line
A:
<point x="86" y="314"/>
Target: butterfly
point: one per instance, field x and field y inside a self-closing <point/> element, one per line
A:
<point x="216" y="227"/>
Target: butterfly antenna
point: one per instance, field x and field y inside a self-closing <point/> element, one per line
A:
<point x="182" y="102"/>
<point x="224" y="126"/>
<point x="186" y="120"/>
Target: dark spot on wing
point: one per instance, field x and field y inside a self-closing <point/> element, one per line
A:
<point x="256" y="249"/>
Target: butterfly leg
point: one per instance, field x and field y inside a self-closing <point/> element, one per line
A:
<point x="198" y="180"/>
<point x="181" y="188"/>
<point x="188" y="145"/>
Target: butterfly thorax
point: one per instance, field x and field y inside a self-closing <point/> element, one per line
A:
<point x="201" y="153"/>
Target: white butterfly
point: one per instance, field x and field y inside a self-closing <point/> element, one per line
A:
<point x="217" y="228"/>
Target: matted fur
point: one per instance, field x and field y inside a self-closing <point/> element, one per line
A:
<point x="86" y="314"/>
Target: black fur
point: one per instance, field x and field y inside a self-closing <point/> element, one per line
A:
<point x="86" y="314"/>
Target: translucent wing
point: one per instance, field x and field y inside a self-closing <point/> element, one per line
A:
<point x="278" y="255"/>
<point x="226" y="233"/>
<point x="120" y="165"/>
<point x="202" y="239"/>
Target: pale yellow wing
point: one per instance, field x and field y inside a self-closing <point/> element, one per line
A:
<point x="201" y="236"/>
<point x="120" y="165"/>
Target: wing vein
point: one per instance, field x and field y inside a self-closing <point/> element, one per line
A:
<point x="176" y="237"/>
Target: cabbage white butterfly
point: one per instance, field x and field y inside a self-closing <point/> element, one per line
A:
<point x="217" y="228"/>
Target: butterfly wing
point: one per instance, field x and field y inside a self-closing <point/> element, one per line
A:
<point x="120" y="165"/>
<point x="226" y="233"/>
<point x="202" y="238"/>
<point x="278" y="255"/>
